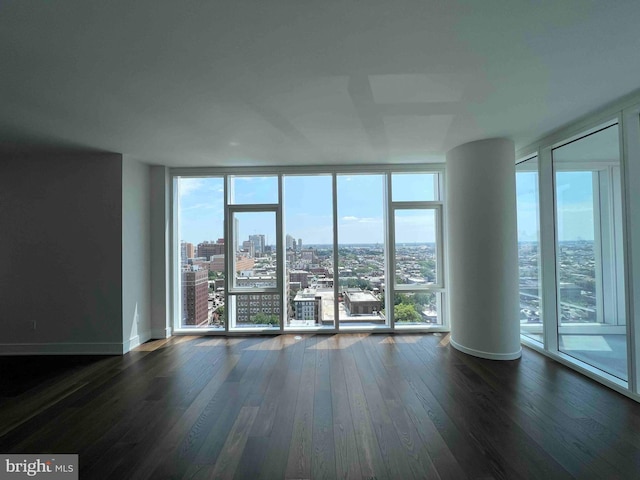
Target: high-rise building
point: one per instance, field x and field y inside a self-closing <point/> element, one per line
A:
<point x="299" y="244"/>
<point x="249" y="248"/>
<point x="183" y="253"/>
<point x="291" y="242"/>
<point x="190" y="247"/>
<point x="209" y="249"/>
<point x="258" y="242"/>
<point x="249" y="306"/>
<point x="195" y="297"/>
<point x="235" y="234"/>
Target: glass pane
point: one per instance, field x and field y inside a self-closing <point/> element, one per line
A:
<point x="308" y="217"/>
<point x="201" y="242"/>
<point x="253" y="190"/>
<point x="414" y="187"/>
<point x="361" y="258"/>
<point x="590" y="258"/>
<point x="258" y="311"/>
<point x="256" y="257"/>
<point x="417" y="309"/>
<point x="415" y="247"/>
<point x="528" y="205"/>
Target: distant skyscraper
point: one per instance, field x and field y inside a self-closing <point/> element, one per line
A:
<point x="299" y="244"/>
<point x="236" y="233"/>
<point x="190" y="250"/>
<point x="248" y="247"/>
<point x="291" y="242"/>
<point x="183" y="253"/>
<point x="258" y="242"/>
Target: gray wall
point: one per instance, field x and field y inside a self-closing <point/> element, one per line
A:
<point x="61" y="253"/>
<point x="136" y="290"/>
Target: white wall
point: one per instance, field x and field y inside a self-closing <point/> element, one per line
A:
<point x="60" y="253"/>
<point x="136" y="287"/>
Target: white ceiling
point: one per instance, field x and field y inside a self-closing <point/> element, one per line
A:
<point x="287" y="82"/>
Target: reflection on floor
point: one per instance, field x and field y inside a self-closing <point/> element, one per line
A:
<point x="606" y="352"/>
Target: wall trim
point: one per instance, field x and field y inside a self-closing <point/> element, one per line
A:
<point x="159" y="333"/>
<point x="114" y="348"/>
<point x="136" y="341"/>
<point x="487" y="355"/>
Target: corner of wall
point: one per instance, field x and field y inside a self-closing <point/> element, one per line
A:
<point x="136" y="288"/>
<point x="159" y="247"/>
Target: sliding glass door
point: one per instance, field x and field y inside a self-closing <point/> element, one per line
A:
<point x="590" y="278"/>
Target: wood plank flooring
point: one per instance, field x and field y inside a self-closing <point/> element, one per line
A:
<point x="324" y="406"/>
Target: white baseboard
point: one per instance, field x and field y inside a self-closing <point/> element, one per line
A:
<point x="61" y="348"/>
<point x="158" y="333"/>
<point x="488" y="355"/>
<point x="136" y="341"/>
<point x="133" y="342"/>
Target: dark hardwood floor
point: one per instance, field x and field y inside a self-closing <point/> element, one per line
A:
<point x="325" y="406"/>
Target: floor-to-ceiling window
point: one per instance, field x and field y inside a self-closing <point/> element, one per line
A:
<point x="362" y="252"/>
<point x="304" y="249"/>
<point x="417" y="252"/>
<point x="200" y="252"/>
<point x="254" y="284"/>
<point x="571" y="242"/>
<point x="590" y="265"/>
<point x="529" y="258"/>
<point x="308" y="231"/>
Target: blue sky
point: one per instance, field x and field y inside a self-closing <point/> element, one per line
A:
<point x="574" y="191"/>
<point x="308" y="212"/>
<point x="307" y="208"/>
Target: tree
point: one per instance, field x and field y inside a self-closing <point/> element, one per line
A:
<point x="213" y="275"/>
<point x="423" y="298"/>
<point x="401" y="298"/>
<point x="405" y="313"/>
<point x="264" y="319"/>
<point x="218" y="316"/>
<point x="427" y="268"/>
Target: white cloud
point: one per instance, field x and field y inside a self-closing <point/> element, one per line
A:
<point x="351" y="218"/>
<point x="189" y="185"/>
<point x="197" y="206"/>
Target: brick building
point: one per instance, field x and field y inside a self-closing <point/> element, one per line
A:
<point x="195" y="297"/>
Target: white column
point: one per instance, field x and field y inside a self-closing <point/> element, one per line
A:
<point x="483" y="249"/>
